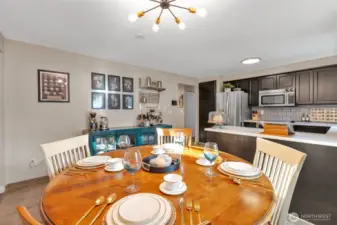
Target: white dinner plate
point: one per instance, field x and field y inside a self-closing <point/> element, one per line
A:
<point x="250" y="171"/>
<point x="93" y="161"/>
<point x="164" y="215"/>
<point x="130" y="211"/>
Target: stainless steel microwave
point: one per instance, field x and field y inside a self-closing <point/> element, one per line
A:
<point x="278" y="97"/>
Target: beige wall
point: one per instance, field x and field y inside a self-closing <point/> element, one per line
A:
<point x="29" y="123"/>
<point x="2" y="149"/>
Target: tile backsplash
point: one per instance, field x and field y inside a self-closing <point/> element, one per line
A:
<point x="290" y="113"/>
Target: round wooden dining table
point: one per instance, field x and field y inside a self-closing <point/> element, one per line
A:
<point x="66" y="198"/>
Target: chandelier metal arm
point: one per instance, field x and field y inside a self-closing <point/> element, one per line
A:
<point x="172" y="13"/>
<point x="155" y="1"/>
<point x="180" y="7"/>
<point x="146" y="11"/>
<point x="161" y="12"/>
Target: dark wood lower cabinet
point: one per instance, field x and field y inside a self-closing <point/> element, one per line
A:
<point x="316" y="189"/>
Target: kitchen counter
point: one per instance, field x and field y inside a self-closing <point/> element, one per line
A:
<point x="316" y="124"/>
<point x="329" y="139"/>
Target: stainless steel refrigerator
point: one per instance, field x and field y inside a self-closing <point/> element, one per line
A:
<point x="234" y="104"/>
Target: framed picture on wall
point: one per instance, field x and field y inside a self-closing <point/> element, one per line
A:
<point x="127" y="101"/>
<point x="127" y="84"/>
<point x="97" y="100"/>
<point x="97" y="81"/>
<point x="114" y="83"/>
<point x="53" y="86"/>
<point x="114" y="101"/>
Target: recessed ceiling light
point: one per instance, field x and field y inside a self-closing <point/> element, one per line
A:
<point x="250" y="61"/>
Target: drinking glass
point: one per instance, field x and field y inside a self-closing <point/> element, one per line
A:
<point x="124" y="141"/>
<point x="111" y="143"/>
<point x="132" y="162"/>
<point x="211" y="153"/>
<point x="101" y="145"/>
<point x="179" y="138"/>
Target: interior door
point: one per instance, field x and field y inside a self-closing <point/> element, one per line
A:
<point x="207" y="103"/>
<point x="190" y="111"/>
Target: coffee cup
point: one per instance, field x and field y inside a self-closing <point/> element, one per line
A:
<point x="115" y="163"/>
<point x="173" y="181"/>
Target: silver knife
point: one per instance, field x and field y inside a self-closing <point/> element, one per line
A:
<point x="181" y="203"/>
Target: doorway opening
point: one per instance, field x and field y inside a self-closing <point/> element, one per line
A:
<point x="188" y="102"/>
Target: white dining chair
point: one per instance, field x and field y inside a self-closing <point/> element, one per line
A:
<point x="60" y="155"/>
<point x="167" y="135"/>
<point x="282" y="165"/>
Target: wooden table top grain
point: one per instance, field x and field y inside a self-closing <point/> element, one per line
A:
<point x="67" y="198"/>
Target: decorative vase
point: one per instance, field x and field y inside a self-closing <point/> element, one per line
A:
<point x="228" y="89"/>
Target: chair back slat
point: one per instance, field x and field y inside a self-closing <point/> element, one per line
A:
<point x="63" y="154"/>
<point x="282" y="166"/>
<point x="167" y="135"/>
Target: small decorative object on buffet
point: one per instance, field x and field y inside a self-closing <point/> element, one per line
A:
<point x="92" y="121"/>
<point x="103" y="123"/>
<point x="216" y="118"/>
<point x="228" y="87"/>
<point x="160" y="164"/>
<point x="53" y="86"/>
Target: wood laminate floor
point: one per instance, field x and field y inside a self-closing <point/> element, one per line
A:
<point x="27" y="193"/>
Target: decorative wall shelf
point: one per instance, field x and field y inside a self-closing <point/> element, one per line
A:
<point x="153" y="89"/>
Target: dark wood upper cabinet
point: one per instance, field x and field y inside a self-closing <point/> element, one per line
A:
<point x="243" y="84"/>
<point x="286" y="81"/>
<point x="268" y="82"/>
<point x="254" y="92"/>
<point x="305" y="87"/>
<point x="325" y="85"/>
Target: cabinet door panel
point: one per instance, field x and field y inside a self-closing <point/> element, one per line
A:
<point x="244" y="85"/>
<point x="325" y="86"/>
<point x="304" y="87"/>
<point x="285" y="81"/>
<point x="254" y="92"/>
<point x="267" y="83"/>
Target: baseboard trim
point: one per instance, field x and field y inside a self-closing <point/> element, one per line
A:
<point x="2" y="189"/>
<point x="297" y="221"/>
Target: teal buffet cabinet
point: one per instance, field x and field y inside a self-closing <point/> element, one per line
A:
<point x="138" y="136"/>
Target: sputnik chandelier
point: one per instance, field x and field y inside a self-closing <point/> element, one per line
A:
<point x="166" y="4"/>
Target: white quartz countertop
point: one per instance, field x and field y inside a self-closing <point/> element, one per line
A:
<point x="316" y="124"/>
<point x="329" y="139"/>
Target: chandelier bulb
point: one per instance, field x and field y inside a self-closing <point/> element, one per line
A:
<point x="182" y="26"/>
<point x="133" y="17"/>
<point x="155" y="28"/>
<point x="202" y="12"/>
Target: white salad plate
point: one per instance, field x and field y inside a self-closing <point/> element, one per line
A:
<point x="130" y="211"/>
<point x="204" y="162"/>
<point x="240" y="169"/>
<point x="114" y="216"/>
<point x="93" y="161"/>
<point x="178" y="191"/>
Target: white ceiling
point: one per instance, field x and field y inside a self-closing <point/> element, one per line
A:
<point x="279" y="31"/>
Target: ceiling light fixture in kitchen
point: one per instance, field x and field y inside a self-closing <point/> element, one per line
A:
<point x="250" y="61"/>
<point x="167" y="4"/>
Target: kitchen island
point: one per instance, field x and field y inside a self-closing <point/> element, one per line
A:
<point x="315" y="192"/>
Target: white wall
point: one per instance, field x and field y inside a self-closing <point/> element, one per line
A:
<point x="29" y="123"/>
<point x="2" y="149"/>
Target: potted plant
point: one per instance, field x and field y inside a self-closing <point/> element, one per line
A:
<point x="228" y="87"/>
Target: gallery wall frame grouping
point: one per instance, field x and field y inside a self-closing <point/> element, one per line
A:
<point x="111" y="92"/>
<point x="53" y="86"/>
